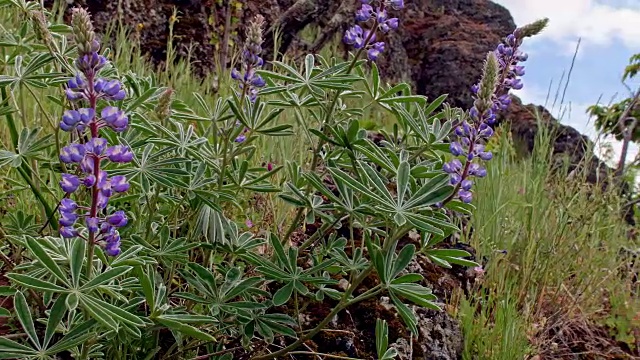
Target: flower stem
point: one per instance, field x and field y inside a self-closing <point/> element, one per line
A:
<point x="93" y="212"/>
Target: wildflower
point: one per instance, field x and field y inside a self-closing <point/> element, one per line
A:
<point x="501" y="73"/>
<point x="249" y="80"/>
<point x="374" y="18"/>
<point x="87" y="87"/>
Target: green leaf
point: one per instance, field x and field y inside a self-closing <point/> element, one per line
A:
<point x="106" y="277"/>
<point x="55" y="316"/>
<point x="72" y="301"/>
<point x="408" y="278"/>
<point x="76" y="259"/>
<point x="382" y="336"/>
<point x="114" y="312"/>
<point x="185" y="329"/>
<point x="25" y="318"/>
<point x="283" y="294"/>
<point x="404" y="258"/>
<point x="354" y="184"/>
<point x="405" y="313"/>
<point x="140" y="100"/>
<point x="449" y="253"/>
<point x="416" y="293"/>
<point x="435" y="104"/>
<point x="7" y="346"/>
<point x="375" y="77"/>
<point x="34" y="283"/>
<point x="192" y="319"/>
<point x="146" y="283"/>
<point x="420" y="99"/>
<point x="309" y="64"/>
<point x="76" y="336"/>
<point x="4" y="312"/>
<point x="7" y="291"/>
<point x="46" y="260"/>
<point x="404" y="170"/>
<point x="421" y="223"/>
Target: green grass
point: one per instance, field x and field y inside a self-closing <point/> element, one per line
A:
<point x="561" y="268"/>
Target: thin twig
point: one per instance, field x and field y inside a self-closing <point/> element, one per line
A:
<point x="627" y="132"/>
<point x="221" y="352"/>
<point x="323" y="354"/>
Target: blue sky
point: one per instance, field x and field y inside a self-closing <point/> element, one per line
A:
<point x="609" y="33"/>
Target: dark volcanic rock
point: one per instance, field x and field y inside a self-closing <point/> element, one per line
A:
<point x="446" y="43"/>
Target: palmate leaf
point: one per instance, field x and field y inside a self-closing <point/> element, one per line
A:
<point x="157" y="167"/>
<point x="30" y="145"/>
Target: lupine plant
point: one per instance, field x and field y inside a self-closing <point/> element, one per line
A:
<point x="168" y="273"/>
<point x="88" y="88"/>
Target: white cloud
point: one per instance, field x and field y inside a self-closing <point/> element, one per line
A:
<point x="596" y="22"/>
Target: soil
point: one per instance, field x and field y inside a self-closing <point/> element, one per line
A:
<point x="5" y="302"/>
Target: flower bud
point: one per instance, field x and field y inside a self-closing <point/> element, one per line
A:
<point x="83" y="33"/>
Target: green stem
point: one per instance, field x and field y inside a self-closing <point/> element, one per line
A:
<point x="324" y="229"/>
<point x="38" y="195"/>
<point x="150" y="216"/>
<point x="13" y="130"/>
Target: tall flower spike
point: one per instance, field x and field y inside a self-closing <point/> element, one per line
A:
<point x="501" y="73"/>
<point x="42" y="30"/>
<point x="87" y="157"/>
<point x="249" y="80"/>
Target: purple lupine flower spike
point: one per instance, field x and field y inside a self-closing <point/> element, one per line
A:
<point x="501" y="73"/>
<point x="249" y="80"/>
<point x="88" y="88"/>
